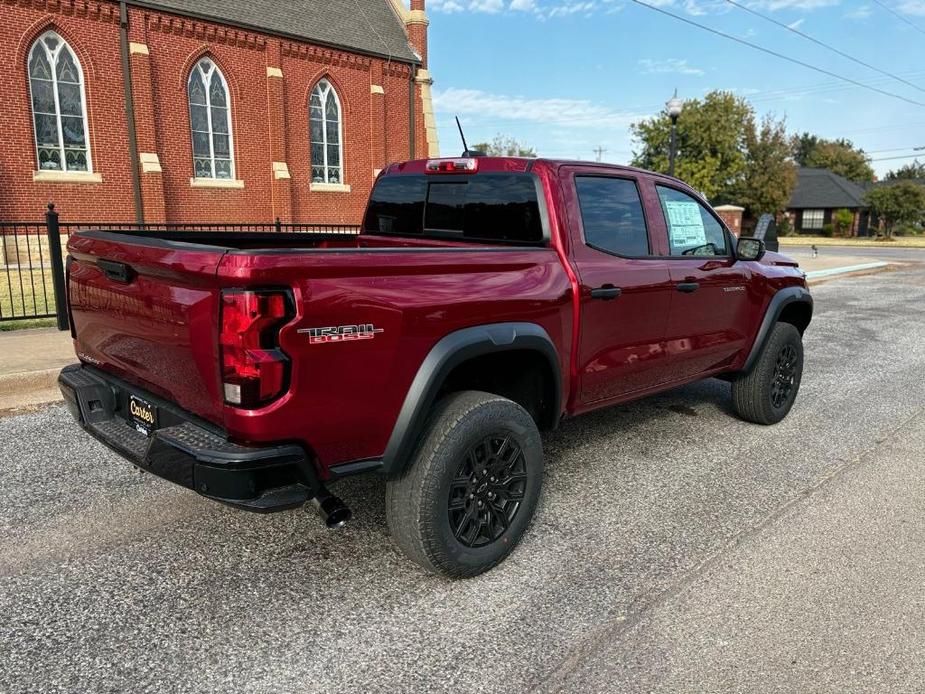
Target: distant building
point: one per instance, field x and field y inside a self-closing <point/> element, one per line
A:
<point x="230" y="111"/>
<point x="816" y="197"/>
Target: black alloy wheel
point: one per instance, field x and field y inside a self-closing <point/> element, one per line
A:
<point x="784" y="376"/>
<point x="487" y="490"/>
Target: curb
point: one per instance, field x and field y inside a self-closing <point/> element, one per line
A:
<point x="831" y="272"/>
<point x="27" y="388"/>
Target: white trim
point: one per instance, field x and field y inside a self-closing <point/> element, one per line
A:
<point x="150" y="162"/>
<point x="329" y="188"/>
<point x="52" y="58"/>
<point x="215" y="183"/>
<point x="280" y="170"/>
<point x="274" y="72"/>
<point x="138" y="48"/>
<point x="376" y="89"/>
<point x="206" y="78"/>
<point x="53" y="176"/>
<point x="326" y="88"/>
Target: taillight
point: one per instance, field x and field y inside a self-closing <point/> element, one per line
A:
<point x="467" y="165"/>
<point x="255" y="370"/>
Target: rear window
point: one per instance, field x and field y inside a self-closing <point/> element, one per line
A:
<point x="484" y="207"/>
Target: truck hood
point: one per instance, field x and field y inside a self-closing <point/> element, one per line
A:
<point x="778" y="259"/>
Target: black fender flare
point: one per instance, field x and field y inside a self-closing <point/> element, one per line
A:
<point x="451" y="351"/>
<point x="783" y="298"/>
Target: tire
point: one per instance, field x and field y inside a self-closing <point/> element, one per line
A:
<point x="455" y="458"/>
<point x="766" y="394"/>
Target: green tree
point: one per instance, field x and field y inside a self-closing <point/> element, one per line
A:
<point x="914" y="170"/>
<point x="505" y="146"/>
<point x="770" y="174"/>
<point x="839" y="156"/>
<point x="900" y="203"/>
<point x="710" y="138"/>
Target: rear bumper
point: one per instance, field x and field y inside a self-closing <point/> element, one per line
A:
<point x="186" y="451"/>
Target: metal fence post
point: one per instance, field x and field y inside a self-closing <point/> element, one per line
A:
<point x="57" y="266"/>
<point x="278" y="225"/>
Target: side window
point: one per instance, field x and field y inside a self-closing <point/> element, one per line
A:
<point x="692" y="230"/>
<point x="612" y="216"/>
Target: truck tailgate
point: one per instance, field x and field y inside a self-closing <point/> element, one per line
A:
<point x="148" y="313"/>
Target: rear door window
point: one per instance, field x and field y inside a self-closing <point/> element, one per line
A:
<point x="500" y="208"/>
<point x="612" y="215"/>
<point x="692" y="229"/>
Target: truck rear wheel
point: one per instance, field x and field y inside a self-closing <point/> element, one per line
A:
<point x="766" y="394"/>
<point x="472" y="487"/>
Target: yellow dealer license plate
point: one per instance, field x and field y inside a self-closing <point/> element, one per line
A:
<point x="143" y="414"/>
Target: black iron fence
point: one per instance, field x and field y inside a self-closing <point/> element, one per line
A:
<point x="32" y="266"/>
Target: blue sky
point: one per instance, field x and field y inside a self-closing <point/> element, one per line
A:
<point x="567" y="77"/>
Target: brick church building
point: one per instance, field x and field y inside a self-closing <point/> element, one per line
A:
<point x="189" y="111"/>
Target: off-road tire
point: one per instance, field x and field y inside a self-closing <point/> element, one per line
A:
<point x="418" y="503"/>
<point x="757" y="396"/>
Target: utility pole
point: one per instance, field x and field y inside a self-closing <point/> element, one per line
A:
<point x="600" y="152"/>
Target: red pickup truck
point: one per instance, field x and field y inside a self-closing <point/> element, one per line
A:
<point x="484" y="300"/>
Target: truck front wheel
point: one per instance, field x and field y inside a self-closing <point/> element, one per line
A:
<point x="472" y="486"/>
<point x="766" y="394"/>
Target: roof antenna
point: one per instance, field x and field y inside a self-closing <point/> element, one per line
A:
<point x="466" y="151"/>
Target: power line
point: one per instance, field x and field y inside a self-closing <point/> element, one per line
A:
<point x="824" y="45"/>
<point x="905" y="156"/>
<point x="895" y="149"/>
<point x="776" y="54"/>
<point x="900" y="17"/>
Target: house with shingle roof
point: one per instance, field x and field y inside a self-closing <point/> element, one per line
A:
<point x="818" y="194"/>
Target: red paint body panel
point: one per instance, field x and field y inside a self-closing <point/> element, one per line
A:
<point x="160" y="331"/>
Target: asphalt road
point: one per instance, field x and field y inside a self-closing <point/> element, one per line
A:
<point x="874" y="252"/>
<point x="676" y="549"/>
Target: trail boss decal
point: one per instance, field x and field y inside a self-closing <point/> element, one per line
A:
<point x="341" y="333"/>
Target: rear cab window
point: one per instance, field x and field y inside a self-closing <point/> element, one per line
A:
<point x="692" y="228"/>
<point x="612" y="216"/>
<point x="496" y="208"/>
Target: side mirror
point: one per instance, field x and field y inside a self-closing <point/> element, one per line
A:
<point x="749" y="248"/>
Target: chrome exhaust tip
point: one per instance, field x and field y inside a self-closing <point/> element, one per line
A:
<point x="334" y="513"/>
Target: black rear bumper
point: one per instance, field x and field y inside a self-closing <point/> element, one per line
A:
<point x="186" y="451"/>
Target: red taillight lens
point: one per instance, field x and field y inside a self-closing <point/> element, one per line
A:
<point x="254" y="369"/>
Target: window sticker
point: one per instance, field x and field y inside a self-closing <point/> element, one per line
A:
<point x="685" y="225"/>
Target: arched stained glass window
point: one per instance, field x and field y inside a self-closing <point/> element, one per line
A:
<point x="326" y="131"/>
<point x="59" y="107"/>
<point x="210" y="121"/>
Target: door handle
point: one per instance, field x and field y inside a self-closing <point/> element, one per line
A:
<point x="606" y="293"/>
<point x="687" y="287"/>
<point x="117" y="272"/>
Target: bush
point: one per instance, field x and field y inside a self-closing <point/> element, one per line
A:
<point x="785" y="228"/>
<point x="827" y="231"/>
<point x="907" y="230"/>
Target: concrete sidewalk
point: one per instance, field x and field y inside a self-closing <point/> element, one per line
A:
<point x="29" y="364"/>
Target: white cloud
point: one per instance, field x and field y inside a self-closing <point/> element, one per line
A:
<point x="574" y="112"/>
<point x="862" y="12"/>
<point x="676" y="66"/>
<point x="916" y="7"/>
<point x="804" y="5"/>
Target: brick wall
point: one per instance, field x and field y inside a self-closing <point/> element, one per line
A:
<point x="269" y="80"/>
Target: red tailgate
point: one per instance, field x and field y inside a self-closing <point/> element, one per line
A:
<point x="147" y="312"/>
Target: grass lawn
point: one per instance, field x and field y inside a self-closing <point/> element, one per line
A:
<point x="23" y="294"/>
<point x="898" y="242"/>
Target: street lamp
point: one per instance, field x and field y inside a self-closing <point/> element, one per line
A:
<point x="674" y="107"/>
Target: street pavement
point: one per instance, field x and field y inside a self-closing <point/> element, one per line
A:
<point x="886" y="252"/>
<point x="675" y="549"/>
